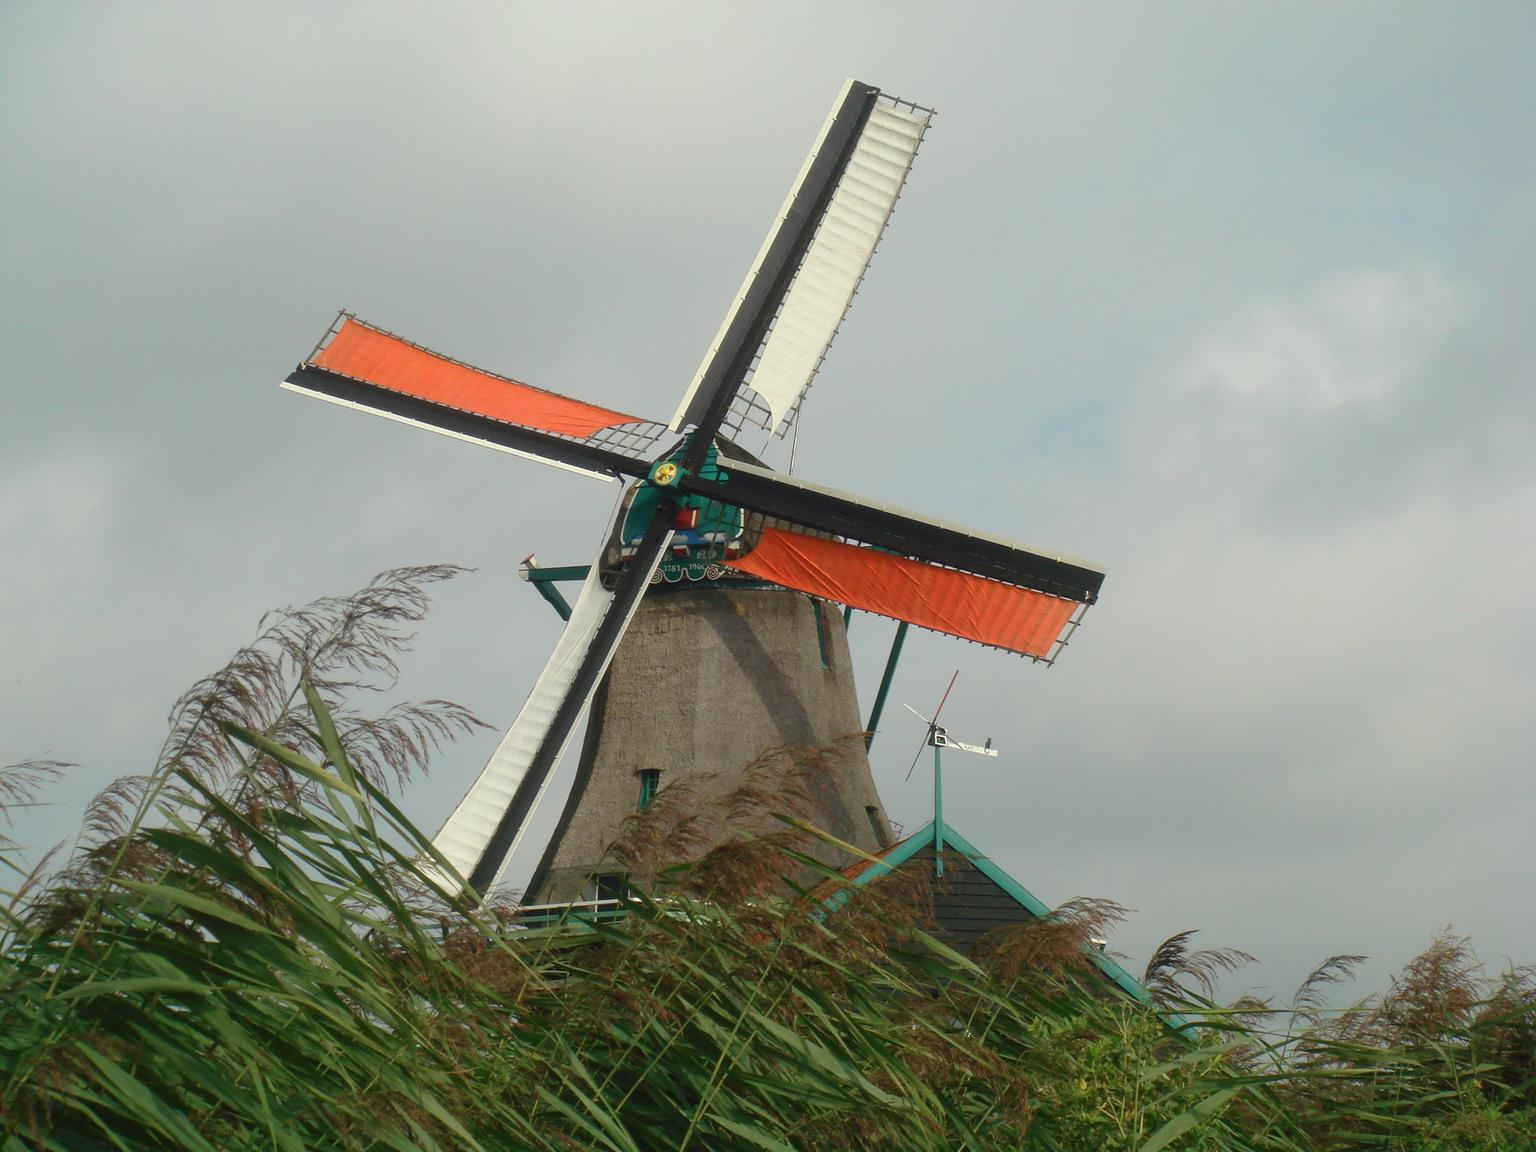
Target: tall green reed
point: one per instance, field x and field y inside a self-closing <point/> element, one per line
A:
<point x="252" y="948"/>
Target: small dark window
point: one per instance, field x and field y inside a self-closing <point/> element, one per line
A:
<point x="610" y="886"/>
<point x="650" y="783"/>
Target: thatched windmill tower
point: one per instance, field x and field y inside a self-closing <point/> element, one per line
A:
<point x="767" y="669"/>
<point x="739" y="649"/>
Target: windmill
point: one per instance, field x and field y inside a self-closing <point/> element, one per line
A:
<point x="702" y="509"/>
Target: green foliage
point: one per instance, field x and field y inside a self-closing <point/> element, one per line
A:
<point x="253" y="949"/>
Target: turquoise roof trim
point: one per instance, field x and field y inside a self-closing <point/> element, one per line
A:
<point x="898" y="855"/>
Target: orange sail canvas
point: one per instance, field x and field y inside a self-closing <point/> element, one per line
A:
<point x="941" y="599"/>
<point x="375" y="357"/>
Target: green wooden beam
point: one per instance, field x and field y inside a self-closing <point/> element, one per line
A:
<point x="885" y="685"/>
<point x="545" y="579"/>
<point x="553" y="575"/>
<point x="552" y="594"/>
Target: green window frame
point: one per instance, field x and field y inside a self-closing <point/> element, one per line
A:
<point x="650" y="784"/>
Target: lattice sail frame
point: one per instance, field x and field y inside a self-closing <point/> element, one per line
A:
<point x="379" y="363"/>
<point x="829" y="272"/>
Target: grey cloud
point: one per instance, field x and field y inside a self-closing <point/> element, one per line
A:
<point x="1297" y="718"/>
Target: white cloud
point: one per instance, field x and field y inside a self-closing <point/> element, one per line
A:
<point x="1310" y="644"/>
<point x="1304" y="404"/>
<point x="1309" y="477"/>
<point x="1350" y="340"/>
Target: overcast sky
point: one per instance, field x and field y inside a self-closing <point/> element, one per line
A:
<point x="1236" y="301"/>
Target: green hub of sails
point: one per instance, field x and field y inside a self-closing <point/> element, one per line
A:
<point x="706" y="535"/>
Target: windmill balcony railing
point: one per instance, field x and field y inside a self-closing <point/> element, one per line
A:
<point x="609" y="908"/>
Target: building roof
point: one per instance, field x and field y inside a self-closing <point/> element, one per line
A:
<point x="958" y="849"/>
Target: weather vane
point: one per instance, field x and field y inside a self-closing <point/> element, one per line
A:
<point x="938" y="738"/>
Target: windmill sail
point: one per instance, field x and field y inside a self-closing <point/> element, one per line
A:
<point x="831" y="221"/>
<point x="838" y="257"/>
<point x="483" y="832"/>
<point x="904" y="565"/>
<point x="820" y="508"/>
<point x="930" y="596"/>
<point x="465" y="834"/>
<point x="360" y="366"/>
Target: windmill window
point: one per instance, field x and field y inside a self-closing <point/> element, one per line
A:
<point x="821" y="633"/>
<point x="610" y="886"/>
<point x="650" y="784"/>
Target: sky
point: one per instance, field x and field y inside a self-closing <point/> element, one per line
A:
<point x="1234" y="300"/>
